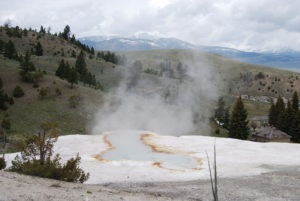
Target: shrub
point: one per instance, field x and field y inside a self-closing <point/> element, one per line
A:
<point x="18" y="92"/>
<point x="35" y="85"/>
<point x="57" y="91"/>
<point x="36" y="159"/>
<point x="43" y="93"/>
<point x="2" y="163"/>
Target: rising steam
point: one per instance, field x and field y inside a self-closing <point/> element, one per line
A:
<point x="164" y="105"/>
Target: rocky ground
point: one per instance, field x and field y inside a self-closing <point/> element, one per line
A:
<point x="280" y="185"/>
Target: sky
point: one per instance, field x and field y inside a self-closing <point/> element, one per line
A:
<point x="251" y="25"/>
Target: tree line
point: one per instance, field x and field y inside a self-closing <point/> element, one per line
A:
<point x="286" y="117"/>
<point x="66" y="34"/>
<point x="236" y="123"/>
<point x="77" y="73"/>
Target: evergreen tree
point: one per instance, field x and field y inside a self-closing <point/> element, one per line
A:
<point x="25" y="32"/>
<point x="281" y="121"/>
<point x="80" y="64"/>
<point x="279" y="108"/>
<point x="38" y="49"/>
<point x="27" y="67"/>
<point x="226" y="118"/>
<point x="295" y="101"/>
<point x="42" y="30"/>
<point x="67" y="70"/>
<point x="272" y="114"/>
<point x="295" y="130"/>
<point x="10" y="50"/>
<point x="73" y="40"/>
<point x="238" y="122"/>
<point x="2" y="45"/>
<point x="290" y="116"/>
<point x="26" y="64"/>
<point x="92" y="51"/>
<point x="18" y="92"/>
<point x="73" y="54"/>
<point x="72" y="77"/>
<point x="220" y="111"/>
<point x="2" y="97"/>
<point x="60" y="72"/>
<point x="66" y="33"/>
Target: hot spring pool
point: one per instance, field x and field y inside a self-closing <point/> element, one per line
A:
<point x="127" y="145"/>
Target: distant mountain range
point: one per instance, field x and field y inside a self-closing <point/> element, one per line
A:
<point x="285" y="59"/>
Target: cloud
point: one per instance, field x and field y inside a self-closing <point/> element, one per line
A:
<point x="248" y="25"/>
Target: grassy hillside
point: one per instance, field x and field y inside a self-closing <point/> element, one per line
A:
<point x="234" y="78"/>
<point x="29" y="111"/>
<point x="239" y="77"/>
<point x="53" y="47"/>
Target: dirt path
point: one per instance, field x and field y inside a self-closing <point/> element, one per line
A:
<point x="280" y="185"/>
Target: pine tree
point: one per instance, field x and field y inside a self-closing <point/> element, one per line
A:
<point x="42" y="30"/>
<point x="281" y="121"/>
<point x="279" y="108"/>
<point x="238" y="122"/>
<point x="60" y="72"/>
<point x="272" y="114"/>
<point x="72" y="77"/>
<point x="80" y="64"/>
<point x="295" y="130"/>
<point x="73" y="40"/>
<point x="295" y="101"/>
<point x="26" y="64"/>
<point x="38" y="49"/>
<point x="66" y="33"/>
<point x="290" y="116"/>
<point x="220" y="111"/>
<point x="67" y="70"/>
<point x="18" y="92"/>
<point x="2" y="97"/>
<point x="10" y="50"/>
<point x="73" y="54"/>
<point x="226" y="118"/>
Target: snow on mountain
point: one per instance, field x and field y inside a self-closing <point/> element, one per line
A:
<point x="286" y="59"/>
<point x="135" y="43"/>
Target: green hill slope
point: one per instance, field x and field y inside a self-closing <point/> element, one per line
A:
<point x="238" y="77"/>
<point x="233" y="77"/>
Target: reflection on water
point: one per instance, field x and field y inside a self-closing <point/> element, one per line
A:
<point x="128" y="146"/>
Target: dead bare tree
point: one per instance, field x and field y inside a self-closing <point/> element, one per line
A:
<point x="213" y="181"/>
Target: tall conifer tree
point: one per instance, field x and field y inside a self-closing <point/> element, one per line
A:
<point x="80" y="64"/>
<point x="295" y="101"/>
<point x="238" y="122"/>
<point x="61" y="69"/>
<point x="39" y="49"/>
<point x="272" y="114"/>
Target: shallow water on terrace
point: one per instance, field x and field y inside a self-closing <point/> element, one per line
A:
<point x="128" y="146"/>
